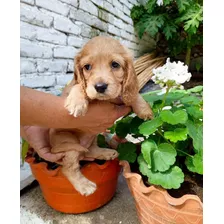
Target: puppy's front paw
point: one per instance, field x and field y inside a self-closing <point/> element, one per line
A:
<point x="109" y="154"/>
<point x="145" y="113"/>
<point x="76" y="107"/>
<point x="85" y="187"/>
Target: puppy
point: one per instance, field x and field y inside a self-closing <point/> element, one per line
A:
<point x="104" y="70"/>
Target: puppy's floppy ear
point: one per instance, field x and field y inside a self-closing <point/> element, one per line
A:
<point x="130" y="87"/>
<point x="78" y="73"/>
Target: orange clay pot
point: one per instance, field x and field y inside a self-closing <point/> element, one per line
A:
<point x="155" y="206"/>
<point x="61" y="195"/>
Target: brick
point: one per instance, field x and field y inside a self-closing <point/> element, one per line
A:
<point x="30" y="2"/>
<point x="34" y="16"/>
<point x="33" y="32"/>
<point x="114" y="30"/>
<point x="104" y="15"/>
<point x="129" y="28"/>
<point x="98" y="2"/>
<point x="108" y="6"/>
<point x="38" y="81"/>
<point x="64" y="79"/>
<point x="119" y="23"/>
<point x="88" y="19"/>
<point x="133" y="2"/>
<point x="27" y="66"/>
<point x="54" y="5"/>
<point x="71" y="2"/>
<point x="125" y="35"/>
<point x="126" y="10"/>
<point x="128" y="4"/>
<point x="34" y="50"/>
<point x="66" y="25"/>
<point x="65" y="52"/>
<point x="89" y="7"/>
<point x="70" y="66"/>
<point x="117" y="4"/>
<point x="52" y="66"/>
<point x="75" y="41"/>
<point x="85" y="29"/>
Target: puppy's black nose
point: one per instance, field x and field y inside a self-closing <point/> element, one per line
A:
<point x="101" y="87"/>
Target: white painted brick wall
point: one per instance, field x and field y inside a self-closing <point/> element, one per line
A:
<point x="53" y="31"/>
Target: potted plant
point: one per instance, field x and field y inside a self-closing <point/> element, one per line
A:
<point x="162" y="158"/>
<point x="176" y="26"/>
<point x="58" y="191"/>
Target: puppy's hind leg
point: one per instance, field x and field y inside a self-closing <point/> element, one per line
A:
<point x="71" y="169"/>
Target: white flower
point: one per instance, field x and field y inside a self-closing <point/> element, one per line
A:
<point x="167" y="108"/>
<point x="174" y="73"/>
<point x="159" y="2"/>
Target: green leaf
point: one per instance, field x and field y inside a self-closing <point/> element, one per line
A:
<point x="160" y="157"/>
<point x="179" y="134"/>
<point x="195" y="111"/>
<point x="192" y="100"/>
<point x="149" y="127"/>
<point x="101" y="141"/>
<point x="25" y="148"/>
<point x="135" y="123"/>
<point x="196" y="89"/>
<point x="122" y="129"/>
<point x="179" y="117"/>
<point x="147" y="147"/>
<point x="192" y="18"/>
<point x="182" y="4"/>
<point x="198" y="163"/>
<point x="195" y="131"/>
<point x="169" y="29"/>
<point x="163" y="157"/>
<point x="195" y="163"/>
<point x="172" y="178"/>
<point x="143" y="166"/>
<point x="127" y="151"/>
<point x="136" y="12"/>
<point x="150" y="6"/>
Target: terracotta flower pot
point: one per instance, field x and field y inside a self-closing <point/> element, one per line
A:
<point x="60" y="194"/>
<point x="155" y="206"/>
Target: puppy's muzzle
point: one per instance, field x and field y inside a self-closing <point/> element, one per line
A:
<point x="101" y="87"/>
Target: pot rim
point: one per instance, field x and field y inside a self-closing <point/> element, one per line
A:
<point x="56" y="172"/>
<point x="170" y="200"/>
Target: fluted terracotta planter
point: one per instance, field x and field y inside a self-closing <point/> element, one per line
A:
<point x="155" y="206"/>
<point x="61" y="195"/>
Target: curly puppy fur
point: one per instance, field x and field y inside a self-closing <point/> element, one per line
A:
<point x="103" y="71"/>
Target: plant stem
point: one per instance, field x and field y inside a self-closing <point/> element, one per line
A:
<point x="164" y="98"/>
<point x="184" y="153"/>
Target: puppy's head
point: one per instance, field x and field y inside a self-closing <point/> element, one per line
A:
<point x="105" y="69"/>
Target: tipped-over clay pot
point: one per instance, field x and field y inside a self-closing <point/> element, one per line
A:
<point x="60" y="194"/>
<point x="155" y="206"/>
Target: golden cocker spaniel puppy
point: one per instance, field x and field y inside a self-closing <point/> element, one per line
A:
<point x="104" y="70"/>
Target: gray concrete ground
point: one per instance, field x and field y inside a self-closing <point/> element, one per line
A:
<point x="120" y="210"/>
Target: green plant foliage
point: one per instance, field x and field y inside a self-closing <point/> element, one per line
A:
<point x="173" y="136"/>
<point x="178" y="22"/>
<point x="178" y="117"/>
<point x="149" y="127"/>
<point x="127" y="151"/>
<point x="101" y="141"/>
<point x="179" y="134"/>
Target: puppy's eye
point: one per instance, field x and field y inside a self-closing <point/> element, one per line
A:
<point x="88" y="67"/>
<point x="114" y="64"/>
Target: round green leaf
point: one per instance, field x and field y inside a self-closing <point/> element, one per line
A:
<point x="143" y="166"/>
<point x="198" y="163"/>
<point x="127" y="151"/>
<point x="179" y="117"/>
<point x="163" y="157"/>
<point x="147" y="148"/>
<point x="192" y="100"/>
<point x="196" y="89"/>
<point x="172" y="178"/>
<point x="195" y="111"/>
<point x="179" y="134"/>
<point x="149" y="127"/>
